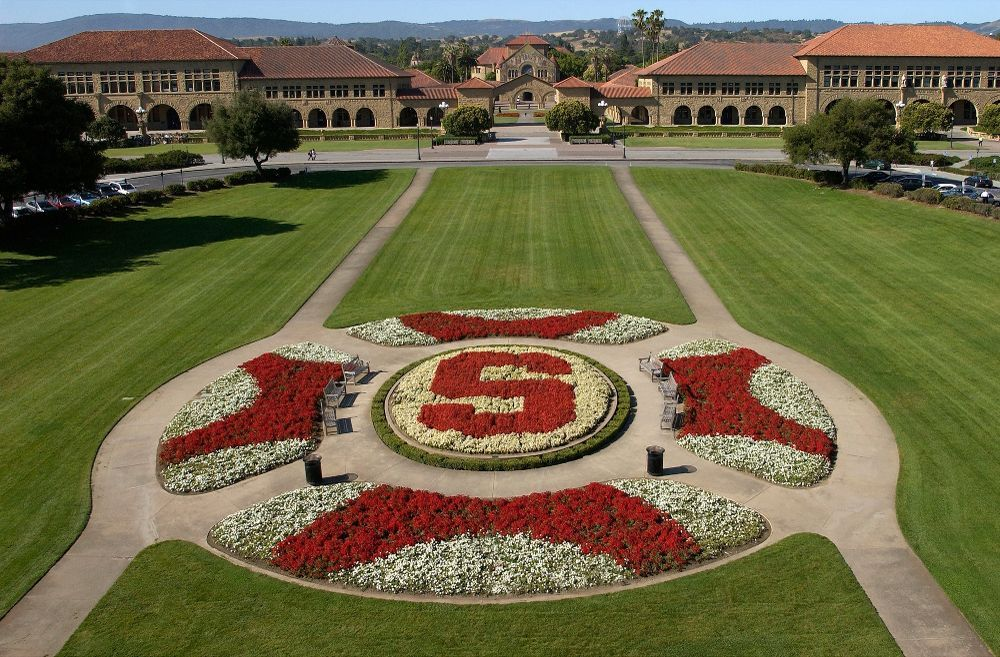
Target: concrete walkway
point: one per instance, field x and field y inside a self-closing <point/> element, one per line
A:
<point x="855" y="508"/>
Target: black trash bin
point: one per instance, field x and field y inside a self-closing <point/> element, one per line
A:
<point x="654" y="460"/>
<point x="314" y="469"/>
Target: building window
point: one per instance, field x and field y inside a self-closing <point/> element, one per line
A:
<point x="993" y="77"/>
<point x="773" y="88"/>
<point x="291" y="91"/>
<point x="511" y="74"/>
<point x="359" y="91"/>
<point x="202" y="79"/>
<point x="882" y="76"/>
<point x="117" y="82"/>
<point x="687" y="88"/>
<point x="338" y="90"/>
<point x="162" y="81"/>
<point x="730" y="88"/>
<point x="923" y="76"/>
<point x="707" y="89"/>
<point x="668" y="88"/>
<point x="270" y="92"/>
<point x="542" y="74"/>
<point x="840" y="76"/>
<point x="964" y="77"/>
<point x="792" y="89"/>
<point x="754" y="89"/>
<point x="378" y="90"/>
<point x="77" y="82"/>
<point x="314" y="91"/>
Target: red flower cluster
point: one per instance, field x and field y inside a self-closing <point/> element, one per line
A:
<point x="448" y="328"/>
<point x="719" y="401"/>
<point x="548" y="403"/>
<point x="286" y="408"/>
<point x="598" y="518"/>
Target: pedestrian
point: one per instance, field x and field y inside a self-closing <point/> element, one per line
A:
<point x="985" y="196"/>
<point x="932" y="165"/>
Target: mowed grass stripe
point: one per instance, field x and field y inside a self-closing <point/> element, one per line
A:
<point x="796" y="597"/>
<point x="560" y="237"/>
<point x="111" y="309"/>
<point x="902" y="300"/>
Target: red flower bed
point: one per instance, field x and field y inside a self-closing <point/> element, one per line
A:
<point x="719" y="401"/>
<point x="286" y="408"/>
<point x="548" y="403"/>
<point x="448" y="328"/>
<point x="598" y="518"/>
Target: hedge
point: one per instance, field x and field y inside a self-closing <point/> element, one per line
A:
<point x="254" y="176"/>
<point x="615" y="427"/>
<point x="176" y="159"/>
<point x="925" y="195"/>
<point x="205" y="184"/>
<point x="177" y="189"/>
<point x="890" y="189"/>
<point x="791" y="171"/>
<point x="147" y="197"/>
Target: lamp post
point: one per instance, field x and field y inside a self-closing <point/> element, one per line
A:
<point x="418" y="139"/>
<point x="141" y="115"/>
<point x="604" y="109"/>
<point x="900" y="106"/>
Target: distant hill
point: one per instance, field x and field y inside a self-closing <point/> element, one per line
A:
<point x="23" y="36"/>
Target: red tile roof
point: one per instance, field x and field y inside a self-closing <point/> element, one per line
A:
<point x="611" y="90"/>
<point x="313" y="62"/>
<point x="526" y="40"/>
<point x="573" y="83"/>
<point x="626" y="77"/>
<point x="474" y="83"/>
<point x="900" y="41"/>
<point x="712" y="58"/>
<point x="444" y="92"/>
<point x="421" y="79"/>
<point x="493" y="56"/>
<point x="135" y="46"/>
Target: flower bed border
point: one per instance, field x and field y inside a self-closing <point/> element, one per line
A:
<point x="608" y="433"/>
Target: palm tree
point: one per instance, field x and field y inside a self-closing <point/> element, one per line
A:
<point x="655" y="24"/>
<point x="595" y="63"/>
<point x="639" y="24"/>
<point x="607" y="57"/>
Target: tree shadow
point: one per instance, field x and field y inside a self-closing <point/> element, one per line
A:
<point x="98" y="247"/>
<point x="333" y="179"/>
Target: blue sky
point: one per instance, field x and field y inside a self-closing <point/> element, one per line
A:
<point x="425" y="11"/>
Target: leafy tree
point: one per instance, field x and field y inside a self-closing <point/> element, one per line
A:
<point x="851" y="130"/>
<point x="106" y="129"/>
<point x="989" y="119"/>
<point x="467" y="121"/>
<point x="40" y="145"/>
<point x="253" y="127"/>
<point x="926" y="118"/>
<point x="571" y="117"/>
<point x="570" y="64"/>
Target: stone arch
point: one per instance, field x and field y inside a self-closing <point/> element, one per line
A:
<point x="317" y="118"/>
<point x="965" y="112"/>
<point x="753" y="116"/>
<point x="730" y="116"/>
<point x="527" y="96"/>
<point x="124" y="115"/>
<point x="527" y="69"/>
<point x="163" y="117"/>
<point x="341" y="118"/>
<point x="407" y="117"/>
<point x="831" y="105"/>
<point x="296" y="118"/>
<point x="776" y="116"/>
<point x="200" y="114"/>
<point x="549" y="99"/>
<point x="706" y="115"/>
<point x="640" y="115"/>
<point x="434" y="116"/>
<point x="365" y="118"/>
<point x="682" y="115"/>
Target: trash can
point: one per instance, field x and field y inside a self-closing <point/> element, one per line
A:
<point x="654" y="460"/>
<point x="314" y="468"/>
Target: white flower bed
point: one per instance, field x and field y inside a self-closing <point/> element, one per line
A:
<point x="255" y="531"/>
<point x="485" y="565"/>
<point x="412" y="392"/>
<point x="313" y="353"/>
<point x="716" y="523"/>
<point x="704" y="347"/>
<point x="771" y="461"/>
<point x="227" y="395"/>
<point x="226" y="466"/>
<point x="391" y="333"/>
<point x="779" y="390"/>
<point x="621" y="330"/>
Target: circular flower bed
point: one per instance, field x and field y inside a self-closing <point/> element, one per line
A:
<point x="744" y="412"/>
<point x="500" y="400"/>
<point x="409" y="541"/>
<point x="576" y="325"/>
<point x="250" y="420"/>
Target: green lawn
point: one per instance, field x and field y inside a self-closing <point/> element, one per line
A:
<point x="902" y="300"/>
<point x="727" y="143"/>
<point x="797" y="597"/>
<point x="559" y="237"/>
<point x="321" y="146"/>
<point x="942" y="145"/>
<point x="101" y="313"/>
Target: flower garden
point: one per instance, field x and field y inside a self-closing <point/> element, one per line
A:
<point x="744" y="412"/>
<point x="588" y="326"/>
<point x="249" y="420"/>
<point x="400" y="540"/>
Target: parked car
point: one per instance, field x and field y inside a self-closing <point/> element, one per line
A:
<point x="40" y="205"/>
<point x="62" y="202"/>
<point x="910" y="183"/>
<point x="21" y="210"/>
<point x="122" y="187"/>
<point x="946" y="187"/>
<point x="875" y="177"/>
<point x="84" y="197"/>
<point x="877" y="165"/>
<point x="979" y="180"/>
<point x="104" y="189"/>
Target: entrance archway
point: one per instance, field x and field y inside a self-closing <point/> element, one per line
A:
<point x="296" y="118"/>
<point x="408" y="118"/>
<point x="682" y="115"/>
<point x="434" y="116"/>
<point x="640" y="116"/>
<point x="341" y="118"/>
<point x="777" y="116"/>
<point x="830" y="106"/>
<point x="124" y="115"/>
<point x="163" y="117"/>
<point x="317" y="118"/>
<point x="965" y="112"/>
<point x="527" y="69"/>
<point x="200" y="114"/>
<point x="730" y="116"/>
<point x="706" y="115"/>
<point x="754" y="116"/>
<point x="527" y="97"/>
<point x="365" y="118"/>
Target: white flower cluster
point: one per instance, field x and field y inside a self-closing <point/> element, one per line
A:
<point x="716" y="523"/>
<point x="703" y="347"/>
<point x="593" y="395"/>
<point x="513" y="314"/>
<point x="253" y="532"/>
<point x="227" y="395"/>
<point x="778" y="389"/>
<point x="771" y="461"/>
<point x="313" y="353"/>
<point x="226" y="466"/>
<point x="485" y="565"/>
<point x="390" y="332"/>
<point x="621" y="330"/>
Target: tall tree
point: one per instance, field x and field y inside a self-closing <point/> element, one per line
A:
<point x="639" y="26"/>
<point x="41" y="149"/>
<point x="989" y="120"/>
<point x="253" y="127"/>
<point x="926" y="118"/>
<point x="655" y="23"/>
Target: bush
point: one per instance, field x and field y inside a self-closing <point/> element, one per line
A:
<point x="859" y="183"/>
<point x="960" y="203"/>
<point x="892" y="190"/>
<point x="177" y="189"/>
<point x="103" y="207"/>
<point x="925" y="159"/>
<point x="783" y="170"/>
<point x="571" y="117"/>
<point x="250" y="177"/>
<point x="175" y="159"/>
<point x="147" y="197"/>
<point x="467" y="121"/>
<point x="925" y="195"/>
<point x="206" y="184"/>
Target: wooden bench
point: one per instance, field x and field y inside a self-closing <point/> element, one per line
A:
<point x="652" y="365"/>
<point x="355" y="368"/>
<point x="669" y="416"/>
<point x="333" y="394"/>
<point x="668" y="388"/>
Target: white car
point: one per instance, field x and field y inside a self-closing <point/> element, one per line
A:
<point x="122" y="187"/>
<point x="21" y="210"/>
<point x="944" y="187"/>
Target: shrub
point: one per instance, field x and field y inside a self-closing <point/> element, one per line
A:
<point x="146" y="197"/>
<point x="925" y="159"/>
<point x="995" y="213"/>
<point x="783" y="170"/>
<point x="893" y="190"/>
<point x="467" y="121"/>
<point x="989" y="120"/>
<point x="859" y="183"/>
<point x="175" y="159"/>
<point x="177" y="189"/>
<point x="103" y="207"/>
<point x="959" y="203"/>
<point x="250" y="177"/>
<point x="206" y="184"/>
<point x="571" y="117"/>
<point x="925" y="195"/>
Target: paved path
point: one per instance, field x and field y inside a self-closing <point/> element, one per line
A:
<point x="855" y="508"/>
